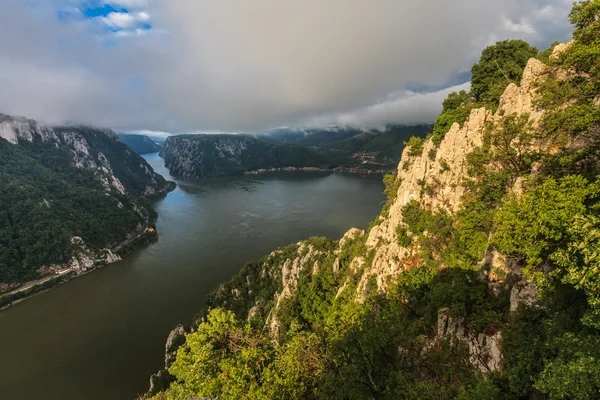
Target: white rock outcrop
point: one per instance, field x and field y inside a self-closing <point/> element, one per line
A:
<point x="443" y="176"/>
<point x="85" y="259"/>
<point x="485" y="350"/>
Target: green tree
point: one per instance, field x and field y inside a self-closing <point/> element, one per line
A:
<point x="455" y="108"/>
<point x="499" y="65"/>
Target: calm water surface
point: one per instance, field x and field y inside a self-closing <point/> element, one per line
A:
<point x="100" y="336"/>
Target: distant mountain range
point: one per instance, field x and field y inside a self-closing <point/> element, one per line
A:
<point x="335" y="148"/>
<point x="141" y="144"/>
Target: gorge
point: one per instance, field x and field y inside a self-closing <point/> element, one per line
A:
<point x="470" y="270"/>
<point x="477" y="281"/>
<point x="102" y="335"/>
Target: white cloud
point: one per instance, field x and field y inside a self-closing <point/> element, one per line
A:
<point x="407" y="108"/>
<point x="150" y="133"/>
<point x="124" y="20"/>
<point x="248" y="66"/>
<point x="522" y="26"/>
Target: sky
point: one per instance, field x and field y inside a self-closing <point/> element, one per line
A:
<point x="174" y="66"/>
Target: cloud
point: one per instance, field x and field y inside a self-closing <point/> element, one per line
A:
<point x="150" y="133"/>
<point x="125" y="20"/>
<point x="248" y="66"/>
<point x="522" y="26"/>
<point x="406" y="108"/>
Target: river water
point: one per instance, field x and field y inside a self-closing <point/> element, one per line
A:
<point x="101" y="336"/>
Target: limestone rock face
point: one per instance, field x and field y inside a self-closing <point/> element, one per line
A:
<point x="438" y="182"/>
<point x="15" y="129"/>
<point x="560" y="48"/>
<point x="485" y="350"/>
<point x="523" y="293"/>
<point x="290" y="273"/>
<point x="161" y="380"/>
<point x="174" y="341"/>
<point x="85" y="259"/>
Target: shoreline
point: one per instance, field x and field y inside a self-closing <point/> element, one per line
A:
<point x="358" y="171"/>
<point x="143" y="239"/>
<point x="57" y="280"/>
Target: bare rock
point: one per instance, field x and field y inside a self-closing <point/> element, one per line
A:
<point x="523" y="292"/>
<point x="350" y="235"/>
<point x="15" y="129"/>
<point x="559" y="49"/>
<point x="485" y="350"/>
<point x="175" y="340"/>
<point x="85" y="259"/>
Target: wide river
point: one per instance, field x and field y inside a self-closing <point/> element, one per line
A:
<point x="101" y="336"/>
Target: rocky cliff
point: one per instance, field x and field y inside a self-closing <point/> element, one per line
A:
<point x="74" y="198"/>
<point x="201" y="156"/>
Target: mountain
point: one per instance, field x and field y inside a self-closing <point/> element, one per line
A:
<point x="344" y="149"/>
<point x="141" y="144"/>
<point x="205" y="155"/>
<point x="73" y="198"/>
<point x="348" y="147"/>
<point x="478" y="280"/>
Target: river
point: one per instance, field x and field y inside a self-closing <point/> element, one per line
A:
<point x="101" y="336"/>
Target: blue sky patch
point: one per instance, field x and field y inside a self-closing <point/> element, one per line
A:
<point x="105" y="19"/>
<point x="101" y="11"/>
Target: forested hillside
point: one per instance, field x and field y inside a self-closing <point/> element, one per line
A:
<point x="479" y="280"/>
<point x="70" y="197"/>
<point x="141" y="144"/>
<point x="205" y="155"/>
<point x="346" y="147"/>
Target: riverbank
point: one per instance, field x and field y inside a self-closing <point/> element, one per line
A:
<point x="65" y="274"/>
<point x="62" y="275"/>
<point x="316" y="169"/>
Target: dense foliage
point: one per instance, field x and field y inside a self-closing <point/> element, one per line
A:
<point x="47" y="200"/>
<point x="499" y="65"/>
<point x="532" y="197"/>
<point x="382" y="148"/>
<point x="141" y="144"/>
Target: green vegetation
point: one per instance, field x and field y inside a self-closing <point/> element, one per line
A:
<point x="139" y="143"/>
<point x="431" y="230"/>
<point x="381" y="150"/>
<point x="532" y="198"/>
<point x="415" y="145"/>
<point x="455" y="108"/>
<point x="342" y="350"/>
<point x="391" y="183"/>
<point x="47" y="200"/>
<point x="499" y="65"/>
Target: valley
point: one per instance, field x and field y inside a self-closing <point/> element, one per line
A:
<point x="102" y="335"/>
<point x="357" y="252"/>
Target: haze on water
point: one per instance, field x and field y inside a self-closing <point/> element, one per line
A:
<point x="102" y="335"/>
